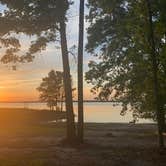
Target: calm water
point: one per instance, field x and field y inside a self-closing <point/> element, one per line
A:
<point x="93" y="111"/>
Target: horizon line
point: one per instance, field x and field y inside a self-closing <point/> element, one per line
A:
<point x="37" y="101"/>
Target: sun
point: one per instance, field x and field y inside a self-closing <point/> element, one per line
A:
<point x="2" y="87"/>
<point x="2" y="94"/>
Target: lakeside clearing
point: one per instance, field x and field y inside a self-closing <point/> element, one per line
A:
<point x="19" y="116"/>
<point x="111" y="144"/>
<point x="97" y="112"/>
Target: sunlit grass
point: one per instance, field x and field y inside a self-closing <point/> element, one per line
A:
<point x="27" y="139"/>
<point x="25" y="122"/>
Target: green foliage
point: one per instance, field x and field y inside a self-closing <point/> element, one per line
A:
<point x="52" y="89"/>
<point x="38" y="19"/>
<point x="41" y="20"/>
<point x="119" y="36"/>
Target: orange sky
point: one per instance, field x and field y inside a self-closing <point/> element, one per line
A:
<point x="14" y="95"/>
<point x="17" y="95"/>
<point x="20" y="85"/>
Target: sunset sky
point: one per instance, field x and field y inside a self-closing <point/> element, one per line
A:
<point x="20" y="85"/>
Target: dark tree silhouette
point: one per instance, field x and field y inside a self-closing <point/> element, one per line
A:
<point x="71" y="135"/>
<point x="52" y="89"/>
<point x="129" y="39"/>
<point x="42" y="20"/>
<point x="159" y="111"/>
<point x="80" y="73"/>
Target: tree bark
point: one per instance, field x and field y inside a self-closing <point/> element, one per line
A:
<point x="67" y="84"/>
<point x="164" y="120"/>
<point x="61" y="102"/>
<point x="80" y="73"/>
<point x="155" y="76"/>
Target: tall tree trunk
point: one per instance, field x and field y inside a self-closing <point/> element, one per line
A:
<point x="56" y="105"/>
<point x="67" y="84"/>
<point x="155" y="76"/>
<point x="80" y="73"/>
<point x="61" y="102"/>
<point x="164" y="120"/>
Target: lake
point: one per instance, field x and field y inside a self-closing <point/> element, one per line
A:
<point x="99" y="112"/>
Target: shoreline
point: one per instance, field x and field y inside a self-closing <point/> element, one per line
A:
<point x="55" y="113"/>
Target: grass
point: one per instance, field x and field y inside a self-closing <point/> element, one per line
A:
<point x="25" y="122"/>
<point x="10" y="116"/>
<point x="27" y="139"/>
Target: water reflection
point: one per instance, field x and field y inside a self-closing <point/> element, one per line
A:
<point x="93" y="111"/>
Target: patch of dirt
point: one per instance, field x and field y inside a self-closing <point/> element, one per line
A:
<point x="105" y="145"/>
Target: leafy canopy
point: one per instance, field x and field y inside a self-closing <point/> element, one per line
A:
<point x="52" y="89"/>
<point x="119" y="36"/>
<point x="37" y="19"/>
